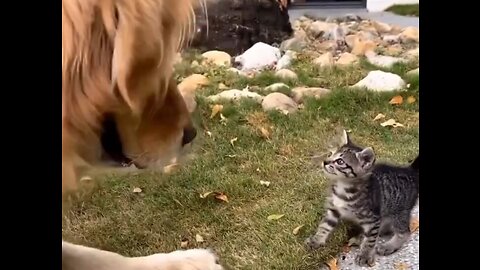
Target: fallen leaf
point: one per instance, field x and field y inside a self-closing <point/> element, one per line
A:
<point x="265" y="133"/>
<point x="401" y="266"/>
<point x="346" y="248"/>
<point x="205" y="195"/>
<point x="222" y="86"/>
<point x="396" y="100"/>
<point x="215" y="110"/>
<point x="137" y="190"/>
<point x="265" y="183"/>
<point x="223" y="119"/>
<point x="391" y="122"/>
<point x="332" y="264"/>
<point x="411" y="100"/>
<point x="199" y="238"/>
<point x="414" y="224"/>
<point x="378" y="117"/>
<point x="233" y="140"/>
<point x="297" y="229"/>
<point x="221" y="196"/>
<point x="275" y="216"/>
<point x="184" y="243"/>
<point x="177" y="201"/>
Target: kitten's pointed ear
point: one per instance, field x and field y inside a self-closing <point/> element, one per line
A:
<point x="367" y="157"/>
<point x="344" y="137"/>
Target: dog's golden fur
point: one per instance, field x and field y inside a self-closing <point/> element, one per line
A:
<point x="117" y="61"/>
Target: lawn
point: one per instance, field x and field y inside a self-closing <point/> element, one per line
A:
<point x="169" y="209"/>
<point x="405" y="10"/>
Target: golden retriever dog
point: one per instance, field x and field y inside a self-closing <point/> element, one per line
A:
<point x="117" y="65"/>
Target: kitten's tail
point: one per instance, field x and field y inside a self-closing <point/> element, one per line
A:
<point x="415" y="164"/>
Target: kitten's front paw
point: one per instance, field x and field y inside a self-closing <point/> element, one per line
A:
<point x="385" y="249"/>
<point x="365" y="259"/>
<point x="314" y="242"/>
<point x="191" y="259"/>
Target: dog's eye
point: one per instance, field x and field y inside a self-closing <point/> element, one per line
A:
<point x="340" y="161"/>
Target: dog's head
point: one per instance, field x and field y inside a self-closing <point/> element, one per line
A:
<point x="117" y="70"/>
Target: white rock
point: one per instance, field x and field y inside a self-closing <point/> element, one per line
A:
<point x="413" y="72"/>
<point x="258" y="57"/>
<point x="319" y="28"/>
<point x="381" y="81"/>
<point x="346" y="59"/>
<point x="286" y="74"/>
<point x="218" y="58"/>
<point x="391" y="38"/>
<point x="284" y="62"/>
<point x="413" y="53"/>
<point x="292" y="54"/>
<point x="279" y="101"/>
<point x="299" y="93"/>
<point x="324" y="60"/>
<point x="276" y="86"/>
<point x="235" y="94"/>
<point x="382" y="60"/>
<point x="234" y="70"/>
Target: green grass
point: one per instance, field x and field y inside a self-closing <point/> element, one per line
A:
<point x="405" y="10"/>
<point x="110" y="216"/>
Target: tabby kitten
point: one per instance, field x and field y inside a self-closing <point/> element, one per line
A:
<point x="377" y="197"/>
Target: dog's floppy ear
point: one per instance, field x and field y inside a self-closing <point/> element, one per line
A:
<point x="138" y="51"/>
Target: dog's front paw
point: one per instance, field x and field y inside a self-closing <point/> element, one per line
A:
<point x="365" y="259"/>
<point x="314" y="242"/>
<point x="191" y="259"/>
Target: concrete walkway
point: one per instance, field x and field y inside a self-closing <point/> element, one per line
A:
<point x="386" y="17"/>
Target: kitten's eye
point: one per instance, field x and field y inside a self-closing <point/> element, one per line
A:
<point x="340" y="161"/>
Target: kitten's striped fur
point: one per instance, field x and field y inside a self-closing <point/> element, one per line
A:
<point x="378" y="197"/>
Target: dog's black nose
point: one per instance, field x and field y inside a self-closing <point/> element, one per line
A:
<point x="188" y="135"/>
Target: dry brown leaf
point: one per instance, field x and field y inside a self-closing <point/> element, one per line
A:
<point x="221" y="196"/>
<point x="233" y="140"/>
<point x="199" y="238"/>
<point x="265" y="183"/>
<point x="396" y="100"/>
<point x="265" y="133"/>
<point x="392" y="123"/>
<point x="275" y="216"/>
<point x="332" y="264"/>
<point x="378" y="117"/>
<point x="222" y="86"/>
<point x="411" y="99"/>
<point x="414" y="224"/>
<point x="346" y="248"/>
<point x="401" y="266"/>
<point x="137" y="190"/>
<point x="215" y="110"/>
<point x="297" y="229"/>
<point x="184" y="243"/>
<point x="205" y="195"/>
<point x="223" y="119"/>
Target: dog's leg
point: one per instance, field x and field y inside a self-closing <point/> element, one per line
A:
<point x="77" y="257"/>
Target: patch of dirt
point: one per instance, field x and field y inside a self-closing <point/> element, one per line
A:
<point x="236" y="25"/>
